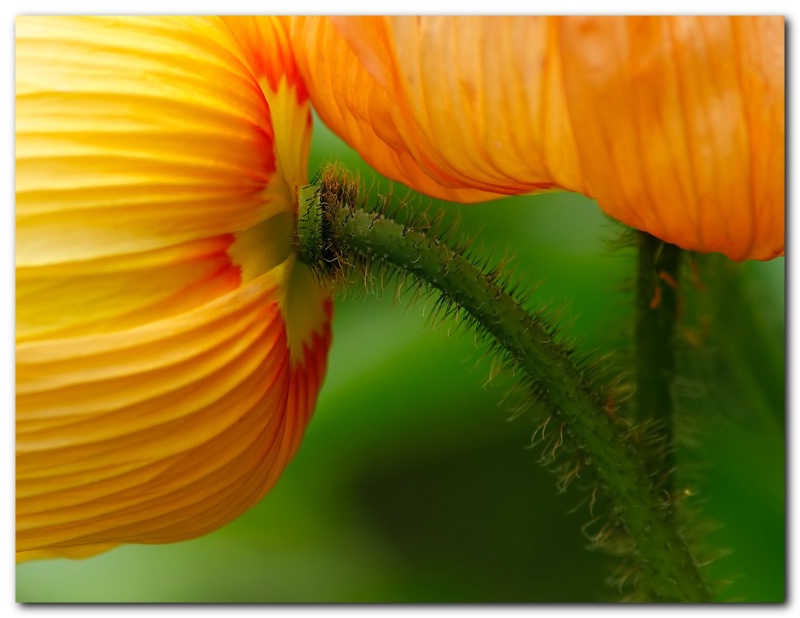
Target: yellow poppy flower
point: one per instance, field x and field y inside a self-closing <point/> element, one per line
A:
<point x="675" y="125"/>
<point x="169" y="349"/>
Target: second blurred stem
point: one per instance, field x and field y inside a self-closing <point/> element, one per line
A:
<point x="658" y="307"/>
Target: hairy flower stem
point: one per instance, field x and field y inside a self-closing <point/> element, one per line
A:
<point x="335" y="236"/>
<point x="657" y="308"/>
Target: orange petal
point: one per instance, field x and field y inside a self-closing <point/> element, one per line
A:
<point x="688" y="115"/>
<point x="362" y="110"/>
<point x="169" y="348"/>
<point x="675" y="125"/>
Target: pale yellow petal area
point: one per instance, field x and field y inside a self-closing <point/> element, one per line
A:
<point x="163" y="432"/>
<point x="688" y="114"/>
<point x="675" y="125"/>
<point x="266" y="45"/>
<point x="136" y="133"/>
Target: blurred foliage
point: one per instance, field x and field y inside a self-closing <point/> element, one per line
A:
<point x="411" y="486"/>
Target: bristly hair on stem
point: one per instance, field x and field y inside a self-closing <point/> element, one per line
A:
<point x="581" y="438"/>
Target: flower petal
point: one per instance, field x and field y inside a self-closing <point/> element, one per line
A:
<point x="361" y="109"/>
<point x="111" y="443"/>
<point x="688" y="113"/>
<point x="134" y="134"/>
<point x="119" y="292"/>
<point x="163" y="432"/>
<point x="265" y="43"/>
<point x="674" y="125"/>
<point x="169" y="348"/>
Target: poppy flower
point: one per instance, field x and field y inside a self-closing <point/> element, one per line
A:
<point x="169" y="347"/>
<point x="675" y="125"/>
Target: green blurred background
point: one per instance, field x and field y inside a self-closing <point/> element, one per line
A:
<point x="413" y="484"/>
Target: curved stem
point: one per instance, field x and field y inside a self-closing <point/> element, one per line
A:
<point x="560" y="383"/>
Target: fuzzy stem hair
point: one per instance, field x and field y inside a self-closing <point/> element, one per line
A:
<point x="337" y="236"/>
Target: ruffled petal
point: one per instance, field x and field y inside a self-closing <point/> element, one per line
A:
<point x="169" y="348"/>
<point x="265" y="43"/>
<point x="134" y="134"/>
<point x="688" y="115"/>
<point x="363" y="110"/>
<point x="152" y="435"/>
<point x="674" y="125"/>
<point x="161" y="433"/>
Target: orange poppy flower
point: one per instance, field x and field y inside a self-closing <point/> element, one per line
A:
<point x="169" y="348"/>
<point x="675" y="125"/>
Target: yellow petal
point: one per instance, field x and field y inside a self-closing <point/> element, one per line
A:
<point x="674" y="125"/>
<point x="110" y="439"/>
<point x="122" y="291"/>
<point x="163" y="433"/>
<point x="169" y="348"/>
<point x="134" y="134"/>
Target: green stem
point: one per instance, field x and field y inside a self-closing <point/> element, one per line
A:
<point x="657" y="308"/>
<point x="563" y="387"/>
